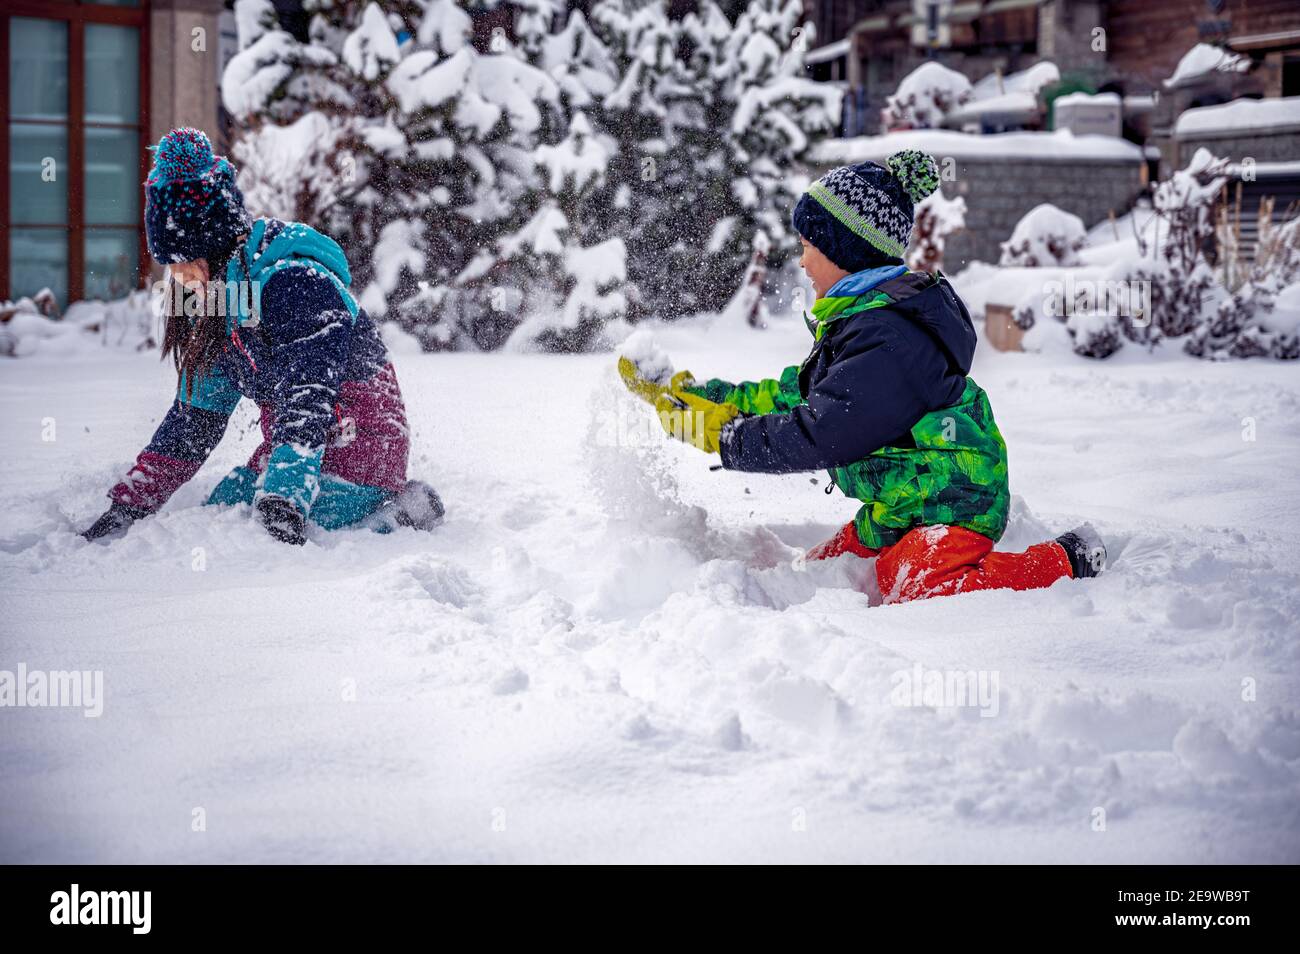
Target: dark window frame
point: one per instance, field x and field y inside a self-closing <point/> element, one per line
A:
<point x="76" y="13"/>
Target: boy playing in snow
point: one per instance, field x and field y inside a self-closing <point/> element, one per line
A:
<point x="883" y="402"/>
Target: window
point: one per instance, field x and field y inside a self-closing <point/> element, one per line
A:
<point x="1291" y="75"/>
<point x="38" y="156"/>
<point x="73" y="110"/>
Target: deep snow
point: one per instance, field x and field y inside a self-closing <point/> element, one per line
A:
<point x="610" y="652"/>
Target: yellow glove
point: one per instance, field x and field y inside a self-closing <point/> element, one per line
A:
<point x="694" y="420"/>
<point x="646" y="388"/>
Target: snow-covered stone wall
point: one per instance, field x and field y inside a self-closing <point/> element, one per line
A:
<point x="1265" y="130"/>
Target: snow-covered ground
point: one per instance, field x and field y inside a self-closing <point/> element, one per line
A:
<point x="610" y="652"/>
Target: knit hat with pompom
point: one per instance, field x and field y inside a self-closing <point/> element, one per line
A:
<point x="861" y="216"/>
<point x="192" y="206"/>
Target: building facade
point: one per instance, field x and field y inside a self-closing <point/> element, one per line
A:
<point x="85" y="86"/>
<point x="1126" y="46"/>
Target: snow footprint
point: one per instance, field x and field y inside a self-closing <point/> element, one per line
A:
<point x="429" y="577"/>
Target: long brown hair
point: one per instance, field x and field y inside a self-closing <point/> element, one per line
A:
<point x="192" y="341"/>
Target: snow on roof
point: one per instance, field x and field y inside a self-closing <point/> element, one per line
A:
<point x="1203" y="59"/>
<point x="1095" y="99"/>
<point x="933" y="75"/>
<point x="1008" y="104"/>
<point x="831" y="51"/>
<point x="1240" y="115"/>
<point x="1266" y="169"/>
<point x="1026" y="81"/>
<point x="1061" y="144"/>
<point x="1015" y="94"/>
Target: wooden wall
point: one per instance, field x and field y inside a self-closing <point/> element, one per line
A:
<point x="1147" y="38"/>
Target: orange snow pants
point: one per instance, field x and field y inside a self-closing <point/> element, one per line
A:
<point x="941" y="560"/>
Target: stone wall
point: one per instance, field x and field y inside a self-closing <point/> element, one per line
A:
<point x="998" y="193"/>
<point x="1281" y="145"/>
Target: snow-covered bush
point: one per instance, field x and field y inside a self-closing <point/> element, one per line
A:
<point x="1173" y="259"/>
<point x="1045" y="237"/>
<point x="1257" y="315"/>
<point x="469" y="181"/>
<point x="1095" y="307"/>
<point x="1187" y="281"/>
<point x="937" y="218"/>
<point x="925" y="96"/>
<point x="33" y="325"/>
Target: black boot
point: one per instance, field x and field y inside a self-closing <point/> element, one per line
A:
<point x="418" y="506"/>
<point x="1086" y="552"/>
<point x="116" y="520"/>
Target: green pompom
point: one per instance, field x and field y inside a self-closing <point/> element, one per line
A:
<point x="916" y="171"/>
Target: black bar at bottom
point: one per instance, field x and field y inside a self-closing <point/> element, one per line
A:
<point x="332" y="904"/>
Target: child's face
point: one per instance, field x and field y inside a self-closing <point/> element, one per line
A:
<point x="821" y="271"/>
<point x="187" y="273"/>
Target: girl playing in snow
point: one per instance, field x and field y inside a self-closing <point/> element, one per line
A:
<point x="262" y="310"/>
<point x="883" y="402"/>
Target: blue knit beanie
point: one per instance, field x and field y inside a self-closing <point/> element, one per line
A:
<point x="192" y="208"/>
<point x="861" y="216"/>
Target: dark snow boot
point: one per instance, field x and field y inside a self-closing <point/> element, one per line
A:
<point x="418" y="506"/>
<point x="1085" y="551"/>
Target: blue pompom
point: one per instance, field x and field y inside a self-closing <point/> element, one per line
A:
<point x="182" y="154"/>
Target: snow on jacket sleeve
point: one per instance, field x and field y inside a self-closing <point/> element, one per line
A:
<point x="868" y="397"/>
<point x="193" y="426"/>
<point x="755" y="397"/>
<point x="309" y="330"/>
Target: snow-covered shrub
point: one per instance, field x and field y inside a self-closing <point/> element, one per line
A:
<point x="937" y="218"/>
<point x="1093" y="307"/>
<point x="1096" y="334"/>
<point x="1256" y="317"/>
<point x="33" y="325"/>
<point x="1173" y="259"/>
<point x="1190" y="282"/>
<point x="925" y="96"/>
<point x="1045" y="237"/>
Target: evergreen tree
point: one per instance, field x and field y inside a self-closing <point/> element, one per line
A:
<point x="624" y="164"/>
<point x="433" y="137"/>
